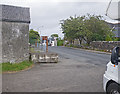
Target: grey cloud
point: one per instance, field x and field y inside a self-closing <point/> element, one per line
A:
<point x="49" y="14"/>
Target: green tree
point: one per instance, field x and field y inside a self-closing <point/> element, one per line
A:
<point x="88" y="28"/>
<point x="60" y="42"/>
<point x="72" y="28"/>
<point x="54" y="35"/>
<point x="96" y="29"/>
<point x="33" y="37"/>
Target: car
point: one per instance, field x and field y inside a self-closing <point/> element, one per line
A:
<point x="111" y="78"/>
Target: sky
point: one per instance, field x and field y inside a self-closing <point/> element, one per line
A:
<point x="47" y="14"/>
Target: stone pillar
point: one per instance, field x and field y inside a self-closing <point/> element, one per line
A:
<point x="0" y="49"/>
<point x="0" y="34"/>
<point x="15" y="34"/>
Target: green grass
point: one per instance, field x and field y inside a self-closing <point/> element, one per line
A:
<point x="0" y="68"/>
<point x="60" y="42"/>
<point x="32" y="50"/>
<point x="11" y="67"/>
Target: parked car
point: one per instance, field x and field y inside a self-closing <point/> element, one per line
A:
<point x="111" y="78"/>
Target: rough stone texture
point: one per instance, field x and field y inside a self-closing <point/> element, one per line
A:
<point x="0" y="52"/>
<point x="15" y="14"/>
<point x="0" y="41"/>
<point x="105" y="45"/>
<point x="15" y="41"/>
<point x="0" y="35"/>
<point x="15" y="34"/>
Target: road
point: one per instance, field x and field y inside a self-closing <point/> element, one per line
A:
<point x="77" y="71"/>
<point x="80" y="55"/>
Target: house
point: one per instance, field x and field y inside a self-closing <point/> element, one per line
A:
<point x="116" y="27"/>
<point x="52" y="41"/>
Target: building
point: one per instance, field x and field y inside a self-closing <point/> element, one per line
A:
<point x="52" y="41"/>
<point x="115" y="26"/>
<point x="14" y="33"/>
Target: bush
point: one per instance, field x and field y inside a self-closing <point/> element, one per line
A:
<point x="108" y="38"/>
<point x="60" y="42"/>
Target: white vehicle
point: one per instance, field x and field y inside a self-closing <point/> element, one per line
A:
<point x="111" y="78"/>
<point x="52" y="43"/>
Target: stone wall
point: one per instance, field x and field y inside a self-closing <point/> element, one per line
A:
<point x="15" y="42"/>
<point x="0" y="42"/>
<point x="0" y="35"/>
<point x="15" y="34"/>
<point x="105" y="45"/>
<point x="15" y="14"/>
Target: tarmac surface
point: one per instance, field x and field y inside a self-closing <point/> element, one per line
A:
<point x="77" y="71"/>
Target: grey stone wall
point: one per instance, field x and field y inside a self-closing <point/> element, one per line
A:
<point x="15" y="42"/>
<point x="0" y="34"/>
<point x="15" y="14"/>
<point x="14" y="34"/>
<point x="0" y="42"/>
<point x="0" y="51"/>
<point x="105" y="45"/>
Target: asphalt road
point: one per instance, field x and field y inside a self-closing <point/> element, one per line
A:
<point x="77" y="71"/>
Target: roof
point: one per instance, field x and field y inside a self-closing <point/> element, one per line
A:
<point x="14" y="14"/>
<point x="117" y="28"/>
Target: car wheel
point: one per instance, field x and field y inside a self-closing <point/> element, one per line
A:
<point x="113" y="88"/>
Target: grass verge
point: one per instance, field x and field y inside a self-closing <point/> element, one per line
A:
<point x="14" y="67"/>
<point x="85" y="48"/>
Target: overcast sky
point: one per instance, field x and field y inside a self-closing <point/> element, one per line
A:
<point x="46" y="14"/>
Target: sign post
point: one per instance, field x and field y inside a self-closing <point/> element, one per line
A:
<point x="45" y="38"/>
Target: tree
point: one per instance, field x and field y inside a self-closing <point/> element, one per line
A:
<point x="54" y="35"/>
<point x="96" y="29"/>
<point x="33" y="37"/>
<point x="72" y="28"/>
<point x="88" y="28"/>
